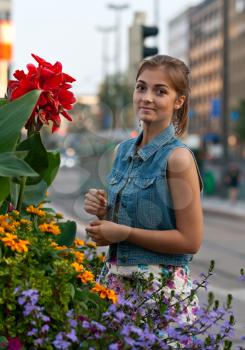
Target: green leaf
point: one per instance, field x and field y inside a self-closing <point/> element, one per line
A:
<point x="3" y="101"/>
<point x="37" y="156"/>
<point x="68" y="233"/>
<point x="4" y="188"/>
<point x="10" y="165"/>
<point x="34" y="194"/>
<point x="53" y="166"/>
<point x="13" y="117"/>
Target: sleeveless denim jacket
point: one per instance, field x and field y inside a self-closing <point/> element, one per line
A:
<point x="145" y="199"/>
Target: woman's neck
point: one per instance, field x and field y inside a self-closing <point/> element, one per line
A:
<point x="150" y="133"/>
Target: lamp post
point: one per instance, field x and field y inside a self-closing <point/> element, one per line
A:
<point x="118" y="9"/>
<point x="105" y="30"/>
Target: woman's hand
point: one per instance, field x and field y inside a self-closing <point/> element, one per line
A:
<point x="106" y="232"/>
<point x="95" y="202"/>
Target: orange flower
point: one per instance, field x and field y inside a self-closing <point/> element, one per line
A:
<point x="14" y="243"/>
<point x="32" y="210"/>
<point x="79" y="242"/>
<point x="86" y="276"/>
<point x="2" y="230"/>
<point x="79" y="256"/>
<point x="77" y="267"/>
<point x="105" y="292"/>
<point x="50" y="228"/>
<point x="102" y="257"/>
<point x="111" y="295"/>
<point x="91" y="244"/>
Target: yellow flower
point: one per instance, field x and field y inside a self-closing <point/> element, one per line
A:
<point x="14" y="243"/>
<point x="3" y="217"/>
<point x="91" y="245"/>
<point x="21" y="246"/>
<point x="32" y="210"/>
<point x="79" y="242"/>
<point x="50" y="228"/>
<point x="102" y="257"/>
<point x="15" y="212"/>
<point x="77" y="267"/>
<point x="25" y="222"/>
<point x="2" y="230"/>
<point x="111" y="295"/>
<point x="105" y="292"/>
<point x="86" y="276"/>
<point x="79" y="256"/>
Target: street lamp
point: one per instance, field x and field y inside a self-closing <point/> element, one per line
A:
<point x="118" y="8"/>
<point x="105" y="30"/>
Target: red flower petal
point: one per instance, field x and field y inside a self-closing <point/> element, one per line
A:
<point x="66" y="115"/>
<point x="68" y="78"/>
<point x="19" y="74"/>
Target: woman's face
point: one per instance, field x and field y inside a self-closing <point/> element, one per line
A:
<point x="154" y="98"/>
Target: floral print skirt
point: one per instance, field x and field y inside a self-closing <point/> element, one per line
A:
<point x="122" y="279"/>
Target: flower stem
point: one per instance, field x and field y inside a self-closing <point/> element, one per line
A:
<point x="21" y="193"/>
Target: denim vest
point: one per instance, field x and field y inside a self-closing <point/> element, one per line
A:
<point x="139" y="192"/>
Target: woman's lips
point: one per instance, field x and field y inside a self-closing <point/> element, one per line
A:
<point x="147" y="108"/>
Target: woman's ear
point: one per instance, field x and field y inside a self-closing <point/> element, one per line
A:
<point x="179" y="101"/>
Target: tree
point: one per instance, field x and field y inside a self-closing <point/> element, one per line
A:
<point x="115" y="95"/>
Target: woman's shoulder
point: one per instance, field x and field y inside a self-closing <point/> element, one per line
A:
<point x="180" y="158"/>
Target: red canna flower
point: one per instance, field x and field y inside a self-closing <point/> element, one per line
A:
<point x="55" y="98"/>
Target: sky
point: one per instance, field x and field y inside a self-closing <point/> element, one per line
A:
<point x="67" y="31"/>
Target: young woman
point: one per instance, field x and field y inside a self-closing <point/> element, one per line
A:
<point x="151" y="216"/>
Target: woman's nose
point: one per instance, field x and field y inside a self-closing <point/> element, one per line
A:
<point x="148" y="97"/>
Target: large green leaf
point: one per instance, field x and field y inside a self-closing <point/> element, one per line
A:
<point x="13" y="117"/>
<point x="34" y="194"/>
<point x="37" y="156"/>
<point x="10" y="165"/>
<point x="4" y="188"/>
<point x="53" y="166"/>
<point x="68" y="233"/>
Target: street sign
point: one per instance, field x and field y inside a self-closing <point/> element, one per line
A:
<point x="215" y="108"/>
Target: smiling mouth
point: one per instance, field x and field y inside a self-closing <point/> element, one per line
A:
<point x="147" y="108"/>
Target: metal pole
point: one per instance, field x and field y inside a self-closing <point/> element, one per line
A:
<point x="105" y="31"/>
<point x="118" y="8"/>
<point x="156" y="19"/>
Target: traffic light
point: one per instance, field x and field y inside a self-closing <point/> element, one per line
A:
<point x="148" y="31"/>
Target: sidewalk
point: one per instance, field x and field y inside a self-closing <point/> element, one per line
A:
<point x="222" y="207"/>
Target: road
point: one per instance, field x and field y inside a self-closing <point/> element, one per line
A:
<point x="224" y="242"/>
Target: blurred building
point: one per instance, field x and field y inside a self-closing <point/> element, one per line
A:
<point x="179" y="36"/>
<point x="236" y="53"/>
<point x="196" y="36"/>
<point x="5" y="43"/>
<point x="206" y="49"/>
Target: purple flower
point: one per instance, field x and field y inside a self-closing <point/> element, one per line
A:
<point x="45" y="328"/>
<point x="39" y="341"/>
<point x="72" y="336"/>
<point x="32" y="332"/>
<point x="120" y="315"/>
<point x="114" y="346"/>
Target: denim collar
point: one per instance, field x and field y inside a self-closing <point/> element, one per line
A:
<point x="148" y="150"/>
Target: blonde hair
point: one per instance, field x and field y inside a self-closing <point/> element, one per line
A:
<point x="178" y="73"/>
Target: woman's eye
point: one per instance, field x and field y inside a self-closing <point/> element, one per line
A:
<point x="140" y="87"/>
<point x="160" y="92"/>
